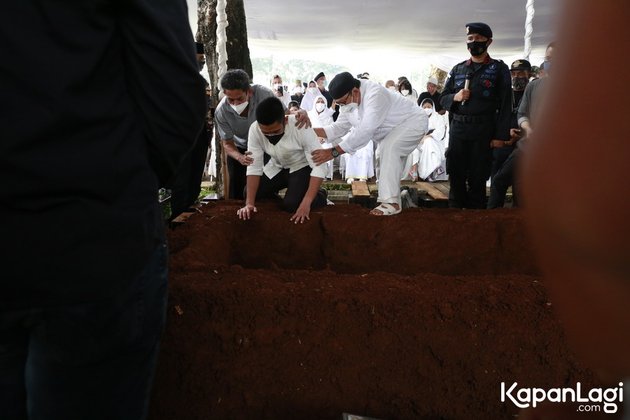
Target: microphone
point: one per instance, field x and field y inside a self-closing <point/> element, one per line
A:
<point x="466" y="84"/>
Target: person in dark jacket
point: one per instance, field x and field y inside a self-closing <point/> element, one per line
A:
<point x="92" y="124"/>
<point x="478" y="95"/>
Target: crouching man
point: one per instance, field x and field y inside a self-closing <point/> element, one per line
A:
<point x="290" y="165"/>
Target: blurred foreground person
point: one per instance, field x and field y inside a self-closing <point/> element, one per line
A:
<point x="582" y="238"/>
<point x="92" y="125"/>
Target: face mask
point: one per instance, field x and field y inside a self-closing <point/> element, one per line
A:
<point x="404" y="92"/>
<point x="344" y="109"/>
<point x="275" y="138"/>
<point x="519" y="83"/>
<point x="276" y="86"/>
<point x="547" y="65"/>
<point x="313" y="90"/>
<point x="428" y="111"/>
<point x="240" y="107"/>
<point x="392" y="88"/>
<point x="477" y="48"/>
<point x="319" y="107"/>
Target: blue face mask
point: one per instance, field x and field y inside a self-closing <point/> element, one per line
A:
<point x="547" y="66"/>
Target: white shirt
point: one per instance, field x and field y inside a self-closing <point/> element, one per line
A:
<point x="292" y="152"/>
<point x="379" y="112"/>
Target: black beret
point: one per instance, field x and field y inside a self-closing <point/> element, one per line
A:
<point x="479" y="28"/>
<point x="199" y="46"/>
<point x="341" y="84"/>
<point x="319" y="76"/>
<point x="521" y="65"/>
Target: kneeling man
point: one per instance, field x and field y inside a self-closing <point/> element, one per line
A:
<point x="290" y="165"/>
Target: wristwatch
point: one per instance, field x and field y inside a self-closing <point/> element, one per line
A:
<point x="334" y="152"/>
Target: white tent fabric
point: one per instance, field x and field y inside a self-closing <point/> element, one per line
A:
<point x="407" y="27"/>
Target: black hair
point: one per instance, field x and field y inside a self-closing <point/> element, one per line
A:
<point x="235" y="79"/>
<point x="293" y="103"/>
<point x="269" y="111"/>
<point x="404" y="84"/>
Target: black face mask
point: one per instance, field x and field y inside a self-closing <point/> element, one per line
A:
<point x="477" y="48"/>
<point x="519" y="83"/>
<point x="275" y="138"/>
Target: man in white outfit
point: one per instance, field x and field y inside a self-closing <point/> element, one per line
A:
<point x="383" y="116"/>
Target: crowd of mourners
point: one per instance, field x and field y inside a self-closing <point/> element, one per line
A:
<point x="470" y="132"/>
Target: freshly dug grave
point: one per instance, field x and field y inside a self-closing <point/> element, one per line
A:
<point x="421" y="315"/>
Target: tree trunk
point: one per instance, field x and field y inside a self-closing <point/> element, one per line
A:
<point x="237" y="51"/>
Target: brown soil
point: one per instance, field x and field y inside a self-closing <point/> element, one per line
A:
<point x="421" y="315"/>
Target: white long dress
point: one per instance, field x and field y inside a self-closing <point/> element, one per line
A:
<point x="432" y="160"/>
<point x="322" y="119"/>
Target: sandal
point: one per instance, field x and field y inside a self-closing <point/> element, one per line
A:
<point x="386" y="209"/>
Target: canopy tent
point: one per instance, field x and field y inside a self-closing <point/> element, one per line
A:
<point x="365" y="35"/>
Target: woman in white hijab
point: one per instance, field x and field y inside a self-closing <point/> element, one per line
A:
<point x="321" y="116"/>
<point x="308" y="100"/>
<point x="432" y="163"/>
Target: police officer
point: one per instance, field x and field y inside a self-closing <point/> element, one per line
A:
<point x="478" y="95"/>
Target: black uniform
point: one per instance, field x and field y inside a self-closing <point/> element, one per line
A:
<point x="484" y="116"/>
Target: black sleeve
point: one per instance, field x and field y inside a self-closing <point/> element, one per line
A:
<point x="504" y="118"/>
<point x="446" y="99"/>
<point x="163" y="79"/>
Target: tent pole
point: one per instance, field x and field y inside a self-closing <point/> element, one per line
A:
<point x="529" y="28"/>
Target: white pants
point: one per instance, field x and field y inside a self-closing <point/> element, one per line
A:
<point x="394" y="150"/>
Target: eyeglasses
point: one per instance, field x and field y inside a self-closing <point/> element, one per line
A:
<point x="347" y="96"/>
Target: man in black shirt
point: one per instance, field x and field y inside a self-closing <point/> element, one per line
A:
<point x="478" y="95"/>
<point x="92" y="124"/>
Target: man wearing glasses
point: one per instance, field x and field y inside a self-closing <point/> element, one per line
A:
<point x="374" y="113"/>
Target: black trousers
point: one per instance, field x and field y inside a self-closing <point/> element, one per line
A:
<point x="468" y="163"/>
<point x="186" y="186"/>
<point x="296" y="184"/>
<point x="499" y="156"/>
<point x="238" y="177"/>
<point x="502" y="180"/>
<point x="91" y="360"/>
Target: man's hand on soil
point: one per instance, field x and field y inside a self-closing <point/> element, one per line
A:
<point x="246" y="213"/>
<point x="301" y="214"/>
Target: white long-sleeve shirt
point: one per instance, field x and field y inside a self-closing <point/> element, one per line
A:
<point x="379" y="112"/>
<point x="292" y="152"/>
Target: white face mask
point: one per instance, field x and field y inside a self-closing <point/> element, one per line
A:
<point x="319" y="107"/>
<point x="429" y="111"/>
<point x="343" y="109"/>
<point x="313" y="90"/>
<point x="392" y="88"/>
<point x="404" y="92"/>
<point x="240" y="107"/>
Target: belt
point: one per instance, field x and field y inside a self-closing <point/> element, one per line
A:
<point x="473" y="119"/>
